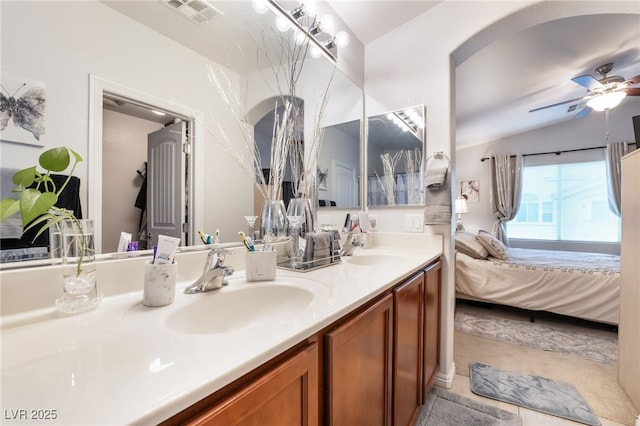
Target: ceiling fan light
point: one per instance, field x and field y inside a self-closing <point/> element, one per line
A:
<point x="606" y="101"/>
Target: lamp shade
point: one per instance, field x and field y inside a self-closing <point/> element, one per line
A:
<point x="606" y="100"/>
<point x="461" y="205"/>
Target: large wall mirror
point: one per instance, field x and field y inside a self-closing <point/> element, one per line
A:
<point x="395" y="157"/>
<point x="130" y="44"/>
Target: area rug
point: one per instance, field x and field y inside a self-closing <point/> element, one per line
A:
<point x="445" y="409"/>
<point x="548" y="396"/>
<point x="538" y="336"/>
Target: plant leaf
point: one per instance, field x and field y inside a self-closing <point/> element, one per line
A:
<point x="8" y="207"/>
<point x="33" y="203"/>
<point x="26" y="177"/>
<point x="76" y="155"/>
<point x="55" y="159"/>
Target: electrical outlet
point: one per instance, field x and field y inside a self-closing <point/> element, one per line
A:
<point x="413" y="223"/>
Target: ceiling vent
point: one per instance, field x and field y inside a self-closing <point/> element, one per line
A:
<point x="198" y="11"/>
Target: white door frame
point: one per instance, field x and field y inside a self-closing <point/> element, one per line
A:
<point x="98" y="86"/>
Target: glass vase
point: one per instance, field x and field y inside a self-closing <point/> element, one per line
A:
<point x="294" y="250"/>
<point x="302" y="207"/>
<point x="273" y="221"/>
<point x="80" y="291"/>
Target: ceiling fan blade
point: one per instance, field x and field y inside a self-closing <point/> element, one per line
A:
<point x="587" y="81"/>
<point x="560" y="103"/>
<point x="632" y="91"/>
<point x="633" y="80"/>
<point x="584" y="112"/>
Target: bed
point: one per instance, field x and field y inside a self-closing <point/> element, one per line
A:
<point x="581" y="285"/>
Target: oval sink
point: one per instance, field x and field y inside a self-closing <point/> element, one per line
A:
<point x="231" y="308"/>
<point x="372" y="259"/>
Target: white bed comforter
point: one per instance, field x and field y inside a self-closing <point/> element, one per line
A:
<point x="582" y="285"/>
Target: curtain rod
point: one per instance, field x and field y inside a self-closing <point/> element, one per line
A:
<point x="558" y="152"/>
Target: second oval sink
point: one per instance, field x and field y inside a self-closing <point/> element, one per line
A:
<point x="232" y="308"/>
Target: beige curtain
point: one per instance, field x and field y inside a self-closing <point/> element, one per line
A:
<point x="613" y="153"/>
<point x="506" y="188"/>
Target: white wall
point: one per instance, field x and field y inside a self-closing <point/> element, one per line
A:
<point x="61" y="43"/>
<point x="414" y="64"/>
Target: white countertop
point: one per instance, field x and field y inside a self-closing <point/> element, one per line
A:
<point x="122" y="364"/>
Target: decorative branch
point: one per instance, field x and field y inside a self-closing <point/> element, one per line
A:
<point x="389" y="163"/>
<point x="413" y="161"/>
<point x="285" y="61"/>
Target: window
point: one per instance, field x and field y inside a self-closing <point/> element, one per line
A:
<point x="565" y="202"/>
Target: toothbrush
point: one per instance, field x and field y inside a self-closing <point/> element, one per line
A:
<point x="246" y="241"/>
<point x="217" y="239"/>
<point x="206" y="238"/>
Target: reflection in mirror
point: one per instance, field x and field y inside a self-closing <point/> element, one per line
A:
<point x="339" y="166"/>
<point x="167" y="61"/>
<point x="395" y="153"/>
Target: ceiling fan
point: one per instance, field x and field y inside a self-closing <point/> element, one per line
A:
<point x="602" y="94"/>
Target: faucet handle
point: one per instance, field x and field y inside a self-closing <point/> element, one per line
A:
<point x="216" y="257"/>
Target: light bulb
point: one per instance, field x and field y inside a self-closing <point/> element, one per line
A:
<point x="310" y="7"/>
<point x="327" y="24"/>
<point x="314" y="51"/>
<point x="260" y="6"/>
<point x="282" y="24"/>
<point x="342" y="39"/>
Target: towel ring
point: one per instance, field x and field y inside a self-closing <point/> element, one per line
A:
<point x="438" y="156"/>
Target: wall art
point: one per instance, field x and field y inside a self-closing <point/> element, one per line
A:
<point x="22" y="110"/>
<point x="470" y="189"/>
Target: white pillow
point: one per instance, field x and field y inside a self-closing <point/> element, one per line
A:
<point x="467" y="243"/>
<point x="494" y="246"/>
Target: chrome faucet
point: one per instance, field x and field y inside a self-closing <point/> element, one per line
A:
<point x="350" y="244"/>
<point x="213" y="276"/>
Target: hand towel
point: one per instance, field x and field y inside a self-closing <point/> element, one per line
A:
<point x="308" y="251"/>
<point x="321" y="248"/>
<point x="435" y="178"/>
<point x="438" y="203"/>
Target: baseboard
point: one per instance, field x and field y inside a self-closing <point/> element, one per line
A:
<point x="446" y="380"/>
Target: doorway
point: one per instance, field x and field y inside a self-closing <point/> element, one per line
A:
<point x="120" y="122"/>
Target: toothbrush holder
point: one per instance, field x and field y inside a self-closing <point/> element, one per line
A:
<point x="261" y="265"/>
<point x="159" y="284"/>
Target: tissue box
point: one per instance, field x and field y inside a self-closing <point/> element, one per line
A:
<point x="261" y="265"/>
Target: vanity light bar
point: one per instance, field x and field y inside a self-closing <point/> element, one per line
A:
<point x="280" y="11"/>
<point x="402" y="120"/>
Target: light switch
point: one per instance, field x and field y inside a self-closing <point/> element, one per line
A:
<point x="413" y="223"/>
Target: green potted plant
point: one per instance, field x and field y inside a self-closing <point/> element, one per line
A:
<point x="36" y="205"/>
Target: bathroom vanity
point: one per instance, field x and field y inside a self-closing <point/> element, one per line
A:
<point x="358" y="340"/>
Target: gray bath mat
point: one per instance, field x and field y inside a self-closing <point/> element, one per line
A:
<point x="537" y="393"/>
<point x="445" y="409"/>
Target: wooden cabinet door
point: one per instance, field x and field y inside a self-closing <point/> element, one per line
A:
<point x="407" y="350"/>
<point x="431" y="327"/>
<point x="285" y="395"/>
<point x="358" y="362"/>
